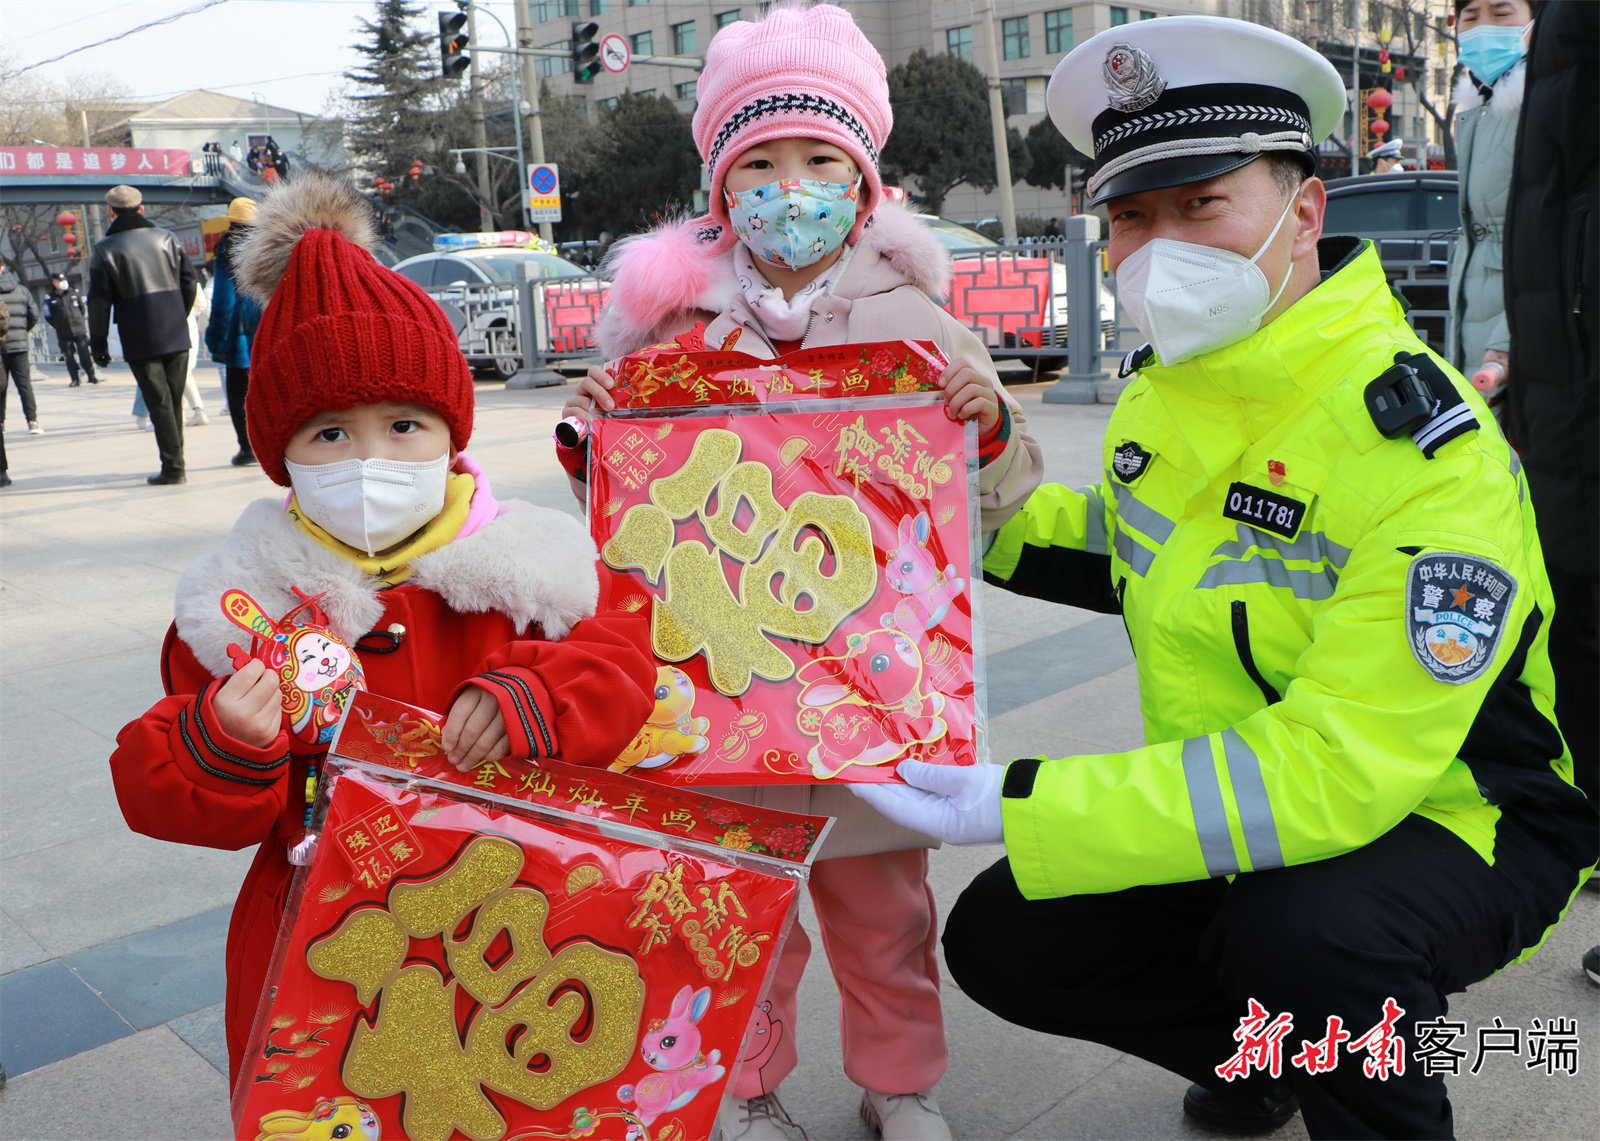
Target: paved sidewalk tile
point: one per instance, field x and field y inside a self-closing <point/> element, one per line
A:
<point x="206" y="1034"/>
<point x="51" y="1014"/>
<point x="156" y="976"/>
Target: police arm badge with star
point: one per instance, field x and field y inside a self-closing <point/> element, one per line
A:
<point x="1457" y="607"/>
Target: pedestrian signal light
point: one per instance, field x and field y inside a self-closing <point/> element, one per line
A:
<point x="585" y="52"/>
<point x="453" y="59"/>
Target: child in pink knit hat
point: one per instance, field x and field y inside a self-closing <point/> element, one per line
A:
<point x="801" y="249"/>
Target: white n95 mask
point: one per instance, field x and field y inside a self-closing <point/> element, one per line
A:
<point x="370" y="504"/>
<point x="1188" y="299"/>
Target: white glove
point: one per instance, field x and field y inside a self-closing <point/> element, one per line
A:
<point x="960" y="804"/>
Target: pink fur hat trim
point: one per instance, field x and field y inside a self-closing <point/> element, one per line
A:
<point x="799" y="73"/>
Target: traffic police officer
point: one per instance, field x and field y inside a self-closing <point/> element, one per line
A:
<point x="1354" y="799"/>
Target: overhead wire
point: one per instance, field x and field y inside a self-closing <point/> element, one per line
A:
<point x="201" y="7"/>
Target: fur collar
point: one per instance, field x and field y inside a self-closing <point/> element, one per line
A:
<point x="535" y="565"/>
<point x="1505" y="93"/>
<point x="661" y="279"/>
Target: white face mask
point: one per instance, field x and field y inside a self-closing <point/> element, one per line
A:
<point x="370" y="504"/>
<point x="1188" y="299"/>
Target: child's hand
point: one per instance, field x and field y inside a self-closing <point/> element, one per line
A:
<point x="969" y="394"/>
<point x="249" y="706"/>
<point x="593" y="392"/>
<point x="475" y="732"/>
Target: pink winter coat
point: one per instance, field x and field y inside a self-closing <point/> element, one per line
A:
<point x="666" y="280"/>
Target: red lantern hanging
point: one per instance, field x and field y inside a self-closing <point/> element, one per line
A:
<point x="70" y="238"/>
<point x="1379" y="127"/>
<point x="1400" y="74"/>
<point x="66" y="219"/>
<point x="1380" y="100"/>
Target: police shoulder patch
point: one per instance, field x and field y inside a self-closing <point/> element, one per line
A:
<point x="1457" y="607"/>
<point x="1129" y="461"/>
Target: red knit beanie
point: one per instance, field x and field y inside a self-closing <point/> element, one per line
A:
<point x="337" y="328"/>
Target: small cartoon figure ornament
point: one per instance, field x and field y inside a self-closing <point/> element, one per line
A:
<point x="317" y="673"/>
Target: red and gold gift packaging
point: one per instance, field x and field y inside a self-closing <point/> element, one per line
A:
<point x="514" y="953"/>
<point x="803" y="533"/>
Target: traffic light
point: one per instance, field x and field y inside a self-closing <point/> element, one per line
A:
<point x="585" y="52"/>
<point x="452" y="44"/>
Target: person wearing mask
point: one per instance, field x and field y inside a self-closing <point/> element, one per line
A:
<point x="23" y="313"/>
<point x="65" y="311"/>
<point x="1488" y="97"/>
<point x="232" y="328"/>
<point x="1386" y="158"/>
<point x="1552" y="266"/>
<point x="1353" y="800"/>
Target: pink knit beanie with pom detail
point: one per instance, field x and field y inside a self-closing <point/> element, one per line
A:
<point x="802" y="72"/>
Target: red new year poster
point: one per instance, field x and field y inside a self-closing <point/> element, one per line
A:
<point x="803" y="534"/>
<point x="536" y="953"/>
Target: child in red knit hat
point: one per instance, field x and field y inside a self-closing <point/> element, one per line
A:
<point x="802" y="250"/>
<point x="361" y="403"/>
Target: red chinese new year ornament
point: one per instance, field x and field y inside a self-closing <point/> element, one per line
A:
<point x="317" y="672"/>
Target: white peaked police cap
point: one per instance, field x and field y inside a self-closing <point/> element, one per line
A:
<point x="1181" y="99"/>
<point x="1390" y="149"/>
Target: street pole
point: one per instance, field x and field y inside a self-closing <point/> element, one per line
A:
<point x="516" y="117"/>
<point x="530" y="83"/>
<point x="997" y="120"/>
<point x="1355" y="93"/>
<point x="480" y="131"/>
<point x="91" y="213"/>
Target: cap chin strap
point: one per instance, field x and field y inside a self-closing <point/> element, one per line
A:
<point x="1249" y="143"/>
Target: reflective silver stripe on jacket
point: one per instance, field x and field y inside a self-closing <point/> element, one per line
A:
<point x="1310" y="546"/>
<point x="1135" y="554"/>
<point x="1255" y="808"/>
<point x="1256" y="821"/>
<point x="1205" y="801"/>
<point x="1094" y="523"/>
<point x="1141" y="515"/>
<point x="1309" y="585"/>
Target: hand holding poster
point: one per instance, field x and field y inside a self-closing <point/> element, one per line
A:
<point x="535" y="953"/>
<point x="803" y="534"/>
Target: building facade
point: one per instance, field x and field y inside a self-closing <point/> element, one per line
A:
<point x="1033" y="36"/>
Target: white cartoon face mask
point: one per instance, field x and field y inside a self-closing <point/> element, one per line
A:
<point x="793" y="222"/>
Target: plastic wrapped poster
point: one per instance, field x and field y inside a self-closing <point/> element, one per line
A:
<point x="514" y="953"/>
<point x="803" y="532"/>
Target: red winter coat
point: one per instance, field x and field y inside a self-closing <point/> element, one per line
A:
<point x="509" y="608"/>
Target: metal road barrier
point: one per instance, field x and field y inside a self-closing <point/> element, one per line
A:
<point x="492" y="323"/>
<point x="1417" y="266"/>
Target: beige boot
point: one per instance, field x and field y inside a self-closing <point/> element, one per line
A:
<point x="904" y="1116"/>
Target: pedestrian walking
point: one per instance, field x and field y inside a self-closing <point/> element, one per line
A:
<point x="67" y="314"/>
<point x="361" y="385"/>
<point x="5" y="471"/>
<point x="1552" y="262"/>
<point x="793" y="110"/>
<point x="141" y="273"/>
<point x="1488" y="99"/>
<point x="232" y="327"/>
<point x="23" y="313"/>
<point x="1353" y="800"/>
<point x="199" y="316"/>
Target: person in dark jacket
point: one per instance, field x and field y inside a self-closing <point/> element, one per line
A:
<point x="232" y="328"/>
<point x="1552" y="274"/>
<point x="142" y="272"/>
<point x="23" y="312"/>
<point x="5" y="477"/>
<point x="65" y="311"/>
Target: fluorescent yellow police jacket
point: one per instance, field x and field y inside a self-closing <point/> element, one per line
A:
<point x="1333" y="628"/>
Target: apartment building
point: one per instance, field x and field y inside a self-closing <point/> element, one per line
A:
<point x="1032" y="36"/>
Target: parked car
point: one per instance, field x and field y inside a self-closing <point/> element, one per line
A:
<point x="1012" y="300"/>
<point x="476" y="287"/>
<point x="1412" y="216"/>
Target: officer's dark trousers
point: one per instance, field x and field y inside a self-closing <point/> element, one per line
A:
<point x="75" y="351"/>
<point x="1165" y="972"/>
<point x="161" y="379"/>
